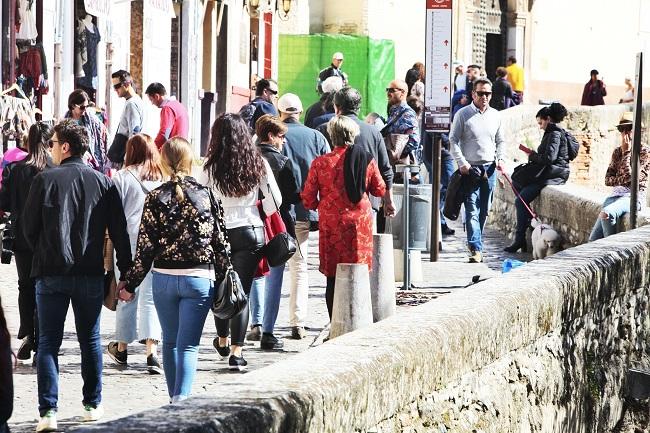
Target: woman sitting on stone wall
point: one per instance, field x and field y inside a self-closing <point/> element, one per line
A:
<point x="552" y="157"/>
<point x="619" y="176"/>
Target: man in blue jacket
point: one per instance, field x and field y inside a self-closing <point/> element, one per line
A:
<point x="71" y="206"/>
<point x="302" y="146"/>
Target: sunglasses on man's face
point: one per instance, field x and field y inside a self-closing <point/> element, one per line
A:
<point x="624" y="128"/>
<point x="51" y="143"/>
<point x="273" y="92"/>
<point x="393" y="90"/>
<point x="118" y="85"/>
<point x="480" y="93"/>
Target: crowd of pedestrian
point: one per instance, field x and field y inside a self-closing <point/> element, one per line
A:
<point x="174" y="230"/>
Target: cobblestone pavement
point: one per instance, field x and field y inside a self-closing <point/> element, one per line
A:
<point x="141" y="391"/>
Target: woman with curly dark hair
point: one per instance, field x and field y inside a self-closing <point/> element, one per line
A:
<point x="238" y="176"/>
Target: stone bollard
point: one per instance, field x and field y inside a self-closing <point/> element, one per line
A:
<point x="382" y="277"/>
<point x="415" y="266"/>
<point x="352" y="307"/>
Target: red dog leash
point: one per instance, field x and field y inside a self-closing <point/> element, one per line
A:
<point x="530" y="211"/>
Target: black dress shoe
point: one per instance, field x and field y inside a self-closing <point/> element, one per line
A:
<point x="271" y="342"/>
<point x="26" y="348"/>
<point x="516" y="246"/>
<point x="447" y="231"/>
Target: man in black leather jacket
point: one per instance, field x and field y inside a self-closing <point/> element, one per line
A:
<point x="68" y="210"/>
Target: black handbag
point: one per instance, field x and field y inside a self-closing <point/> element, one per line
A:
<point x="282" y="246"/>
<point x="528" y="173"/>
<point x="229" y="297"/>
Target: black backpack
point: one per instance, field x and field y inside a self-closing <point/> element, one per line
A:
<point x="246" y="112"/>
<point x="573" y="146"/>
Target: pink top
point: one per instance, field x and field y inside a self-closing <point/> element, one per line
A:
<point x="173" y="122"/>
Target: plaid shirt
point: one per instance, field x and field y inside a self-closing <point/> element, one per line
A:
<point x="402" y="120"/>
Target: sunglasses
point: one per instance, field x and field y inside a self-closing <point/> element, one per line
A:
<point x="118" y="85"/>
<point x="624" y="128"/>
<point x="51" y="143"/>
<point x="393" y="90"/>
<point x="273" y="92"/>
<point x="82" y="107"/>
<point x="480" y="94"/>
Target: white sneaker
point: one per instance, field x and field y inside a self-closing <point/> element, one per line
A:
<point x="93" y="413"/>
<point x="47" y="422"/>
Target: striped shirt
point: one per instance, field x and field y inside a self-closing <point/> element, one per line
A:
<point x="476" y="138"/>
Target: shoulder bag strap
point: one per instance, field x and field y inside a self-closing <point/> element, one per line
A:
<point x="144" y="188"/>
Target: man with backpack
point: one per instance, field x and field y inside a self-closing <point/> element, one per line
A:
<point x="266" y="94"/>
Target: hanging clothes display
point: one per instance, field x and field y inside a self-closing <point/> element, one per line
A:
<point x="92" y="38"/>
<point x="16" y="116"/>
<point x="26" y="29"/>
<point x="32" y="68"/>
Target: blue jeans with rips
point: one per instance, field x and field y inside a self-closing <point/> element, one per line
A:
<point x="53" y="296"/>
<point x="615" y="207"/>
<point x="478" y="201"/>
<point x="182" y="303"/>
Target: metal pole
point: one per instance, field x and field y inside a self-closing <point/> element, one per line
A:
<point x="56" y="87"/>
<point x="109" y="82"/>
<point x="434" y="253"/>
<point x="405" y="229"/>
<point x="636" y="141"/>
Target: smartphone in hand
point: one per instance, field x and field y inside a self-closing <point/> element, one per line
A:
<point x="525" y="149"/>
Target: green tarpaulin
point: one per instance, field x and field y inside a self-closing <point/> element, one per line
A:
<point x="369" y="63"/>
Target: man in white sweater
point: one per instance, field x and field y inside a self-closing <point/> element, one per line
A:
<point x="476" y="141"/>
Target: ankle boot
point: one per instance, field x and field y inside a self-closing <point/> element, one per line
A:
<point x="519" y="243"/>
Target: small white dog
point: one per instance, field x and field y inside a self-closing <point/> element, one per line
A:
<point x="545" y="240"/>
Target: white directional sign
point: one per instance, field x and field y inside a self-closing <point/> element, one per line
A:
<point x="438" y="89"/>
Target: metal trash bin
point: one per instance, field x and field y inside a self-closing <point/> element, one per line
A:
<point x="419" y="216"/>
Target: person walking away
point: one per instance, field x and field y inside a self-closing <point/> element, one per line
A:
<point x="552" y="160"/>
<point x="174" y="121"/>
<point x="476" y="141"/>
<point x="515" y="76"/>
<point x="78" y="110"/>
<point x="302" y="146"/>
<point x="137" y="320"/>
<point x="338" y="186"/>
<point x="6" y="374"/>
<point x="132" y="117"/>
<point x="594" y="91"/>
<point x="72" y="207"/>
<point x="333" y="70"/>
<point x="271" y="132"/>
<point x="238" y="174"/>
<point x="628" y="96"/>
<point x="502" y="94"/>
<point x="179" y="233"/>
<point x="266" y="93"/>
<point x="330" y="86"/>
<point x="415" y="80"/>
<point x="17" y="179"/>
<point x="619" y="176"/>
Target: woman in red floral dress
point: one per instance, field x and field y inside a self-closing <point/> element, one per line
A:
<point x="337" y="186"/>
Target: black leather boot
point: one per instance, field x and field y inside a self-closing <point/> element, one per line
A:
<point x="519" y="243"/>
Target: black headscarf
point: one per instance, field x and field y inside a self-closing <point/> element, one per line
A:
<point x="355" y="167"/>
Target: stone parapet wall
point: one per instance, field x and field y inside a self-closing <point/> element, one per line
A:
<point x="570" y="209"/>
<point x="543" y="348"/>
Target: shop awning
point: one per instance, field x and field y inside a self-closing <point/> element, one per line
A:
<point x="98" y="8"/>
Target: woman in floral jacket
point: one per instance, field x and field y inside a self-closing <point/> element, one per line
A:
<point x="184" y="239"/>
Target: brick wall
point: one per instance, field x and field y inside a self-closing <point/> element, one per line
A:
<point x="137" y="41"/>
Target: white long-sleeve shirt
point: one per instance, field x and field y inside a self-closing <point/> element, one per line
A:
<point x="242" y="211"/>
<point x="476" y="138"/>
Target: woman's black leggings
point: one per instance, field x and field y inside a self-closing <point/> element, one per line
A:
<point x="329" y="295"/>
<point x="26" y="296"/>
<point x="245" y="244"/>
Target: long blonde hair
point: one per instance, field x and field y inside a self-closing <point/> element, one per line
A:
<point x="176" y="162"/>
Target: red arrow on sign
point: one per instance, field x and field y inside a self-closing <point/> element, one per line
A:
<point x="446" y="88"/>
<point x="446" y="65"/>
<point x="446" y="42"/>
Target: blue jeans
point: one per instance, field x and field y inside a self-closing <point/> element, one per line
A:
<point x="256" y="300"/>
<point x="616" y="207"/>
<point x="447" y="168"/>
<point x="478" y="201"/>
<point x="137" y="320"/>
<point x="272" y="298"/>
<point x="182" y="303"/>
<point x="528" y="193"/>
<point x="53" y="295"/>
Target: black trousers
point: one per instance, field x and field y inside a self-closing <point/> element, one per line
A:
<point x="245" y="245"/>
<point x="329" y="295"/>
<point x="26" y="296"/>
